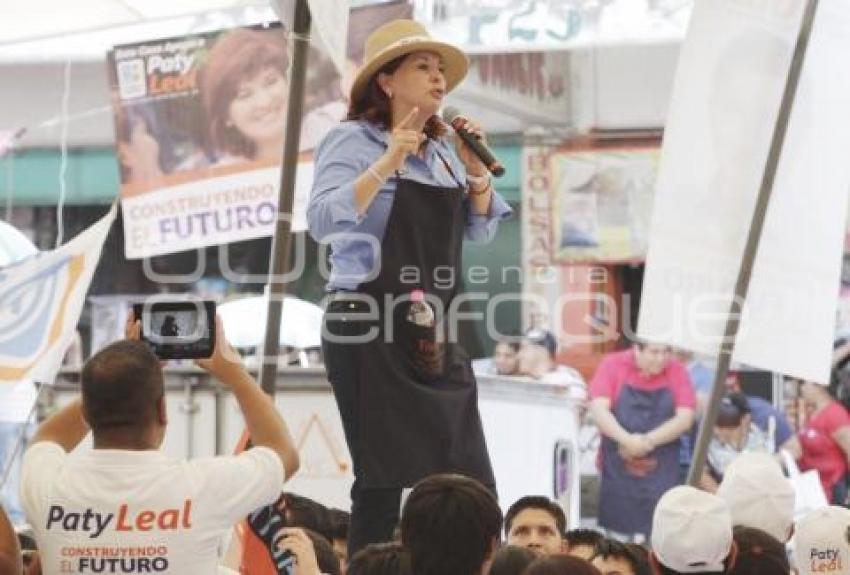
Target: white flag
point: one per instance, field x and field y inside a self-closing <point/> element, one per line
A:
<point x="17" y="401"/>
<point x="41" y="299"/>
<point x="726" y="98"/>
<point x="329" y="25"/>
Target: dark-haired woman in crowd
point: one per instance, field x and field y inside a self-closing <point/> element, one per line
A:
<point x="613" y="557"/>
<point x="511" y="560"/>
<point x="758" y="554"/>
<point x="823" y="443"/>
<point x="561" y="565"/>
<point x="582" y="542"/>
<point x="381" y="559"/>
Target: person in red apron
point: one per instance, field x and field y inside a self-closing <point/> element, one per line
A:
<point x="395" y="201"/>
<point x="643" y="401"/>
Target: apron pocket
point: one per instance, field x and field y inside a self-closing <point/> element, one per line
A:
<point x="419" y="344"/>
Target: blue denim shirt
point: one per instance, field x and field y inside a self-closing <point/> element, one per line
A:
<point x="332" y="217"/>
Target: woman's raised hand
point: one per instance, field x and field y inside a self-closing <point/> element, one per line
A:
<point x="404" y="140"/>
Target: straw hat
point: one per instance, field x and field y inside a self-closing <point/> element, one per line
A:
<point x="401" y="37"/>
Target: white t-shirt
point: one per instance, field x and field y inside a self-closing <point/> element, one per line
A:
<point x="117" y="512"/>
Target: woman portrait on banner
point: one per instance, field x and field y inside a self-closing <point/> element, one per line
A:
<point x="244" y="91"/>
<point x="823" y="443"/>
<point x="394" y="199"/>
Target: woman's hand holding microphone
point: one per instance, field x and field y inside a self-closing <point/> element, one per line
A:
<point x="404" y="140"/>
<point x="473" y="164"/>
<point x="477" y="175"/>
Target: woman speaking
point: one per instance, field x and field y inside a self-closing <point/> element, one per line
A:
<point x="394" y="200"/>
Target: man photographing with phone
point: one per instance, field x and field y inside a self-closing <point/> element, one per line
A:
<point x="125" y="506"/>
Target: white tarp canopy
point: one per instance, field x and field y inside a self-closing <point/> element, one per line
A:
<point x="50" y="30"/>
<point x="41" y="19"/>
<point x="85" y="29"/>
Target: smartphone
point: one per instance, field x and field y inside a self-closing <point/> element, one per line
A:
<point x="178" y="329"/>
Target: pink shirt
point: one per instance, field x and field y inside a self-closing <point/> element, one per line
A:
<point x="619" y="368"/>
<point x="820" y="451"/>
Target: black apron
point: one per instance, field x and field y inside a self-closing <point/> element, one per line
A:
<point x="407" y="419"/>
<point x="628" y="492"/>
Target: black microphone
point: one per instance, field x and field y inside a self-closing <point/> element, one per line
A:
<point x="453" y="117"/>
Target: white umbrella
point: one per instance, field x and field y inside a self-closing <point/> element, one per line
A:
<point x="244" y="322"/>
<point x="14" y="245"/>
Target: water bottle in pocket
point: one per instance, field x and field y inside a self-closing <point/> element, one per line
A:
<point x="427" y="352"/>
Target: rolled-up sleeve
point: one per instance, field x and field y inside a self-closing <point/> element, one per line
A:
<point x="482" y="228"/>
<point x="42" y="462"/>
<point x="339" y="162"/>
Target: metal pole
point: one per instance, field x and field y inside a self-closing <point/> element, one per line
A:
<point x="191" y="409"/>
<point x="282" y="240"/>
<point x="754" y="236"/>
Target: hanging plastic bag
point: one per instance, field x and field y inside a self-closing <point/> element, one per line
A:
<point x="808" y="490"/>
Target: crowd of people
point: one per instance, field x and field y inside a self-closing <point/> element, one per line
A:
<point x="644" y="399"/>
<point x="450" y="525"/>
<point x="532" y="357"/>
<point x="125" y="506"/>
<point x="646" y="402"/>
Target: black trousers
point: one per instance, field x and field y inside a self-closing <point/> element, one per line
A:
<point x="374" y="517"/>
<point x="374" y="512"/>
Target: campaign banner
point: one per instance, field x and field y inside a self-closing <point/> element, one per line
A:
<point x="729" y="84"/>
<point x="199" y="134"/>
<point x="602" y="204"/>
<point x="41" y="298"/>
<point x="200" y="125"/>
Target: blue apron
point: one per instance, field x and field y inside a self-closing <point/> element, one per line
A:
<point x="628" y="492"/>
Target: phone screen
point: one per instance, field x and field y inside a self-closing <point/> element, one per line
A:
<point x="178" y="329"/>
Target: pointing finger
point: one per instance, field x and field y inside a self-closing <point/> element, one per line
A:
<point x="408" y="119"/>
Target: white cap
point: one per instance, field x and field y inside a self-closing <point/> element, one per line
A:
<point x="759" y="495"/>
<point x="691" y="531"/>
<point x="822" y="542"/>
